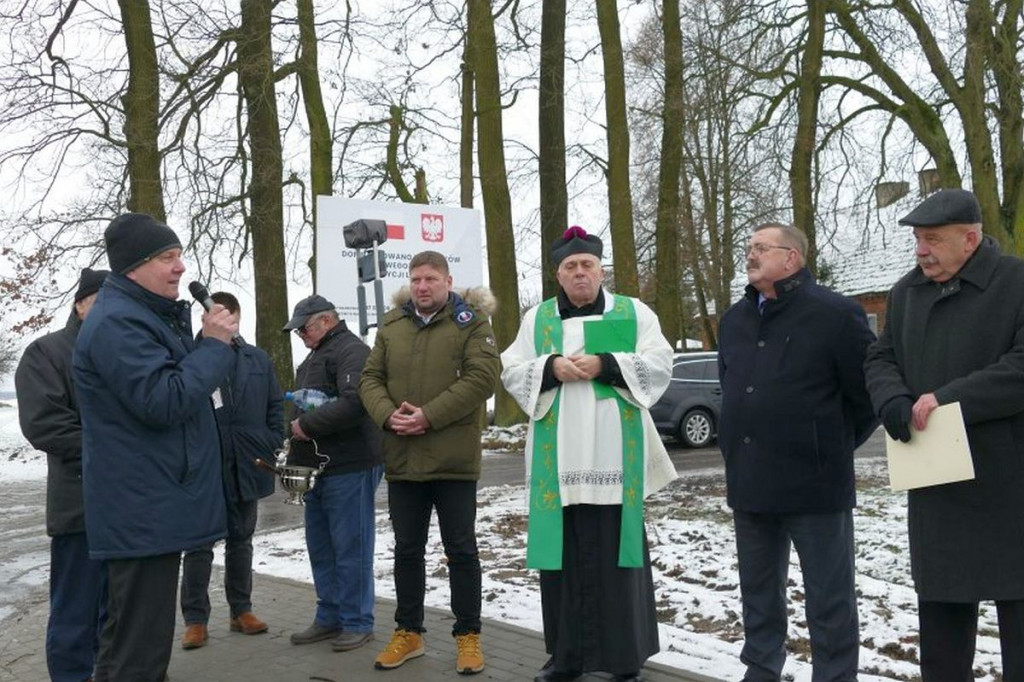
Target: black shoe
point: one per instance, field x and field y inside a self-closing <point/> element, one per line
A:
<point x="551" y="674"/>
<point x="629" y="677"/>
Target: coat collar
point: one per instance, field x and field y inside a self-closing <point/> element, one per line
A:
<point x="784" y="288"/>
<point x="161" y="305"/>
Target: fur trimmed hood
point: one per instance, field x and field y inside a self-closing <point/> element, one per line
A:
<point x="480" y="298"/>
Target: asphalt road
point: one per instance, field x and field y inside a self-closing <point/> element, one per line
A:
<point x="507" y="469"/>
<point x="24" y="547"/>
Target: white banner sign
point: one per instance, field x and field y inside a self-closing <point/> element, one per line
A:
<point x="452" y="231"/>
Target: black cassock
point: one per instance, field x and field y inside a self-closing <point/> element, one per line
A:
<point x="597" y="616"/>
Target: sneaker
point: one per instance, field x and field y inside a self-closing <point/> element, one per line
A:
<point x="347" y="641"/>
<point x="404" y="644"/>
<point x="470" y="658"/>
<point x="195" y="636"/>
<point x="314" y="633"/>
<point x="247" y="624"/>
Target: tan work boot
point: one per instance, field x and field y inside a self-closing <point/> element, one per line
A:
<point x="470" y="658"/>
<point x="194" y="637"/>
<point x="247" y="624"/>
<point x="404" y="644"/>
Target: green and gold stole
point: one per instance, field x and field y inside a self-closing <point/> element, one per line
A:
<point x="615" y="332"/>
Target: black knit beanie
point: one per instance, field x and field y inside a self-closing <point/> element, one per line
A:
<point x="90" y="282"/>
<point x="134" y="238"/>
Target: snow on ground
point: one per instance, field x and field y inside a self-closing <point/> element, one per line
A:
<point x="693" y="553"/>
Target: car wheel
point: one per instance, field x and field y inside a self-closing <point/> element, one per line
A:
<point x="696" y="428"/>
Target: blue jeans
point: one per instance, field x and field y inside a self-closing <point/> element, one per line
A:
<point x="824" y="545"/>
<point x="78" y="608"/>
<point x="339" y="538"/>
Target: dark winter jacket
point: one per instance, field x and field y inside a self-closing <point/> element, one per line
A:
<point x="449" y="367"/>
<point x="342" y="429"/>
<point x="964" y="341"/>
<point x="49" y="420"/>
<point x="250" y="417"/>
<point x="794" y="405"/>
<point x="151" y="459"/>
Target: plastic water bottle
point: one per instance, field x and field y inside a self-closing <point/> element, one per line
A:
<point x="308" y="399"/>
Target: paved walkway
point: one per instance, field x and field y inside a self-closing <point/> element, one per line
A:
<point x="512" y="653"/>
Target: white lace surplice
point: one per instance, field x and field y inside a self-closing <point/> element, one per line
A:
<point x="589" y="431"/>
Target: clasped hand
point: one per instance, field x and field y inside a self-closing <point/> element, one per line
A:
<point x="408" y="420"/>
<point x="568" y="368"/>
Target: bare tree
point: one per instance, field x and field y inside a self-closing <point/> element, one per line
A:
<point x="266" y="219"/>
<point x="501" y="250"/>
<point x="554" y="199"/>
<point x="808" y="88"/>
<point x="620" y="197"/>
<point x="669" y="171"/>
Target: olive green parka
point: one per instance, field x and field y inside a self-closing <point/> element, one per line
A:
<point x="448" y="367"/>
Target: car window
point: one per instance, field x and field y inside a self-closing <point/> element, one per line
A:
<point x="689" y="371"/>
<point x="711" y="370"/>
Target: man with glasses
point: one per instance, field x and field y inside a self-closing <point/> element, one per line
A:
<point x="339" y="437"/>
<point x="794" y="408"/>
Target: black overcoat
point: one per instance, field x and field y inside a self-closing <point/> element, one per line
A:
<point x="49" y="420"/>
<point x="794" y="406"/>
<point x="964" y="341"/>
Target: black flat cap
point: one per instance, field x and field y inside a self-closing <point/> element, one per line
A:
<point x="945" y="207"/>
<point x="306" y="308"/>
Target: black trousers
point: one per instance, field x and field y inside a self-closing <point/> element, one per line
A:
<point x="198" y="563"/>
<point x="410" y="504"/>
<point x="948" y="634"/>
<point x="135" y="645"/>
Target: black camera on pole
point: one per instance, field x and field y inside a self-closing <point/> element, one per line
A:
<point x="371" y="266"/>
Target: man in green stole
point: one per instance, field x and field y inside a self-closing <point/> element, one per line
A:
<point x="586" y="366"/>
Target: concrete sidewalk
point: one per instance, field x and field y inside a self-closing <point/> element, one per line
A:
<point x="512" y="653"/>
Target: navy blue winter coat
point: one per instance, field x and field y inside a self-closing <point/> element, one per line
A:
<point x="794" y="405"/>
<point x="251" y="422"/>
<point x="151" y="462"/>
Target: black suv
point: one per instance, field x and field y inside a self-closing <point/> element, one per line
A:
<point x="690" y="407"/>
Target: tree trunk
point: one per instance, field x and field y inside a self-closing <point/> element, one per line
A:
<point x="321" y="143"/>
<point x="142" y="108"/>
<point x="801" y="167"/>
<point x="554" y="199"/>
<point x="266" y="215"/>
<point x="468" y="118"/>
<point x="501" y="250"/>
<point x="620" y="202"/>
<point x="666" y="228"/>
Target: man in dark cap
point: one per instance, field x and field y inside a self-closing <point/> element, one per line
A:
<point x="151" y="465"/>
<point x="586" y="367"/>
<point x="794" y="409"/>
<point x="339" y="439"/>
<point x="954" y="332"/>
<point x="48" y="412"/>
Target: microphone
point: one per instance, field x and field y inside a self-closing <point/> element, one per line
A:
<point x="202" y="294"/>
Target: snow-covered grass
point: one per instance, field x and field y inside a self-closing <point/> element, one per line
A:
<point x="693" y="552"/>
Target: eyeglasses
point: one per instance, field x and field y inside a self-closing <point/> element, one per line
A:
<point x="761" y="249"/>
<point x="304" y="329"/>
